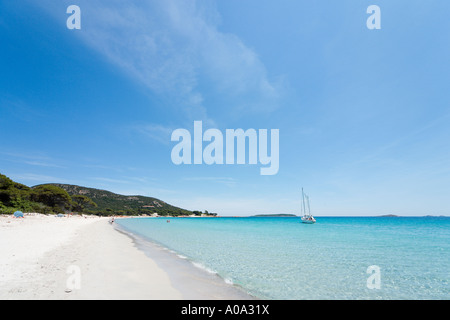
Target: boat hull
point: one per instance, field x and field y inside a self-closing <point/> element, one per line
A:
<point x="308" y="221"/>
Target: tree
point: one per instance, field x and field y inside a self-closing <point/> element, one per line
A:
<point x="6" y="188"/>
<point x="15" y="195"/>
<point x="80" y="203"/>
<point x="52" y="196"/>
<point x="5" y="182"/>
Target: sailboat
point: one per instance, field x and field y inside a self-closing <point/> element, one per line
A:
<point x="307" y="217"/>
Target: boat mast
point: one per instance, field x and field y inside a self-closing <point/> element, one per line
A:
<point x="303" y="200"/>
<point x="309" y="209"/>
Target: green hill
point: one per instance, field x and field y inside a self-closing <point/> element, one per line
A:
<point x="57" y="198"/>
<point x="111" y="203"/>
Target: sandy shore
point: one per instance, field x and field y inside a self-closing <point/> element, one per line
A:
<point x="45" y="257"/>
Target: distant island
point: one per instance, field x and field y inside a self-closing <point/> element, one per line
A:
<point x="57" y="198"/>
<point x="275" y="215"/>
<point x="389" y="215"/>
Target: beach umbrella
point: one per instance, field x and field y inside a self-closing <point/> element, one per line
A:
<point x="18" y="214"/>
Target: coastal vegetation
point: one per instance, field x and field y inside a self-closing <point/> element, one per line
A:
<point x="58" y="198"/>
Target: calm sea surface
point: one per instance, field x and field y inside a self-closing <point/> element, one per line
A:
<point x="281" y="258"/>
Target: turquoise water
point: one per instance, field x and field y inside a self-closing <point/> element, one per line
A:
<point x="281" y="258"/>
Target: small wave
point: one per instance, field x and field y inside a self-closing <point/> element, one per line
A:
<point x="201" y="266"/>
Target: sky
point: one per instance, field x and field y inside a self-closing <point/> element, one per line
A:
<point x="363" y="114"/>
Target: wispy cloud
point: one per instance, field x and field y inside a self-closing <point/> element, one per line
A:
<point x="172" y="47"/>
<point x="126" y="180"/>
<point x="43" y="164"/>
<point x="31" y="159"/>
<point x="109" y="180"/>
<point x="155" y="132"/>
<point x="19" y="109"/>
<point x="41" y="179"/>
<point x="222" y="180"/>
<point x="406" y="138"/>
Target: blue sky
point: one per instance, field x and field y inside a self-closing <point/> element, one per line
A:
<point x="363" y="114"/>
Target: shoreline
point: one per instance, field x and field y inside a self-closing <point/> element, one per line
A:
<point x="191" y="279"/>
<point x="81" y="257"/>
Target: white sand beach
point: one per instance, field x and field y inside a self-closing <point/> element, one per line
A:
<point x="46" y="257"/>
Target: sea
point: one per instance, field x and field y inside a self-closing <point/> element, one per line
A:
<point x="357" y="258"/>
